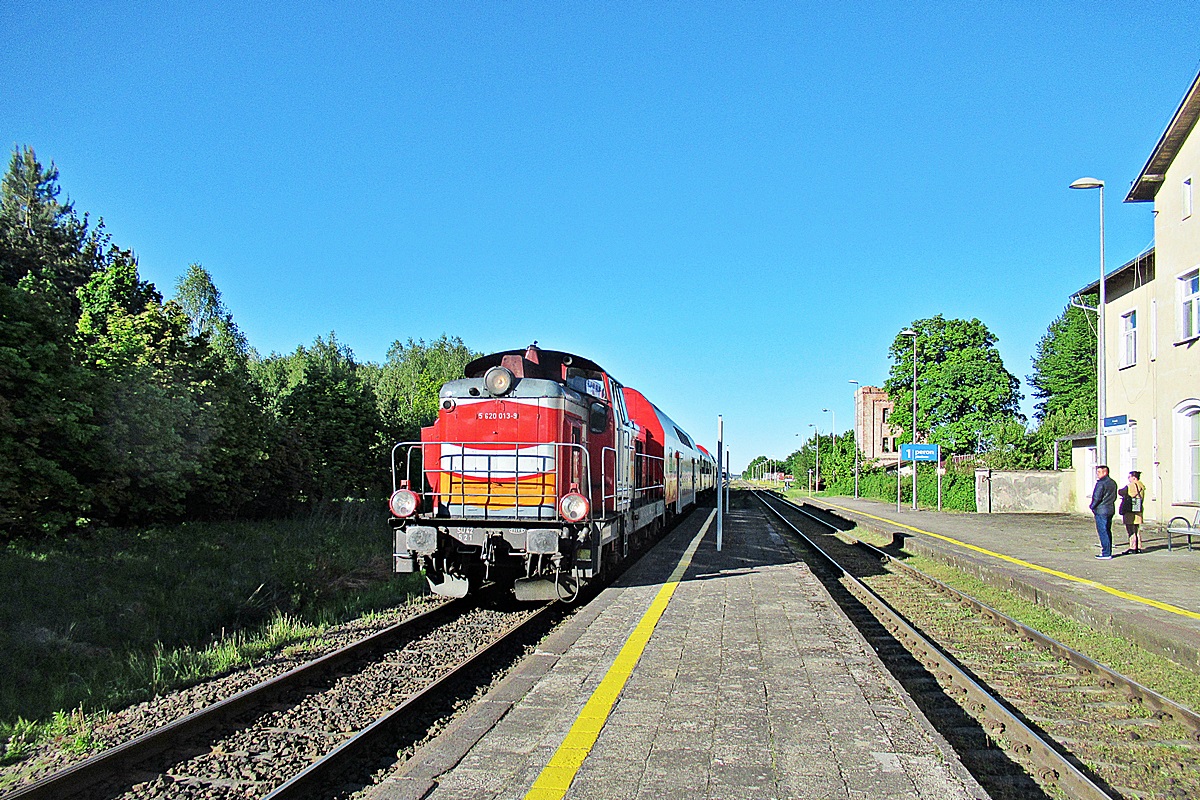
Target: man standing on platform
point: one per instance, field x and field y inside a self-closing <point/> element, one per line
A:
<point x="1104" y="507"/>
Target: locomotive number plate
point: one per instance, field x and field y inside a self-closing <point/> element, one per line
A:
<point x="497" y="415"/>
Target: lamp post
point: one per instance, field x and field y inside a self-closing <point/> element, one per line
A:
<point x="913" y="334"/>
<point x="817" y="437"/>
<point x="856" y="384"/>
<point x="1101" y="457"/>
<point x="833" y="437"/>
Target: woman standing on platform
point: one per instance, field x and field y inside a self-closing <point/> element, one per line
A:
<point x="1133" y="497"/>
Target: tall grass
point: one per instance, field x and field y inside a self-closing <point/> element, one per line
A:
<point x="117" y="616"/>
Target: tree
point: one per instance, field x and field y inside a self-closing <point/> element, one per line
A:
<point x="46" y="421"/>
<point x="1064" y="368"/>
<point x="330" y="416"/>
<point x="407" y="385"/>
<point x="155" y="428"/>
<point x="46" y="427"/>
<point x="40" y="236"/>
<point x="962" y="387"/>
<point x="200" y="299"/>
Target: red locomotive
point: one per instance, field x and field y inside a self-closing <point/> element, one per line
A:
<point x="541" y="472"/>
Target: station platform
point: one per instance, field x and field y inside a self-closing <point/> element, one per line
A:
<point x="751" y="684"/>
<point x="1151" y="598"/>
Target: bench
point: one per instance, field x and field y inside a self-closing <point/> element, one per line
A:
<point x="1180" y="526"/>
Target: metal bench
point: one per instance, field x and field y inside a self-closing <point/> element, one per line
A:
<point x="1181" y="526"/>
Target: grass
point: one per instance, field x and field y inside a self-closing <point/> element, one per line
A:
<point x="1154" y="671"/>
<point x="99" y="622"/>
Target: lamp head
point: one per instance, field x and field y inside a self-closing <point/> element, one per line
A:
<point x="1087" y="183"/>
<point x="908" y="332"/>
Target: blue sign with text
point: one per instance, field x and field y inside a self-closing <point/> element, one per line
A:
<point x="1114" y="426"/>
<point x="920" y="452"/>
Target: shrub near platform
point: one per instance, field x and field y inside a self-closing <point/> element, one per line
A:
<point x="112" y="618"/>
<point x="958" y="488"/>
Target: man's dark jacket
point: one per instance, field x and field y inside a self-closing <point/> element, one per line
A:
<point x="1104" y="497"/>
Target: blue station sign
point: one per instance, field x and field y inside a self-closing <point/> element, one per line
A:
<point x="920" y="452"/>
<point x="1114" y="426"/>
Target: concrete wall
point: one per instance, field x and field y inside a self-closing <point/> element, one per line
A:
<point x="1024" y="491"/>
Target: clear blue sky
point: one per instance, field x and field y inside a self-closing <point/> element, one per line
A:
<point x="732" y="207"/>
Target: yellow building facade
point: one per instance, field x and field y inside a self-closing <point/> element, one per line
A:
<point x="1152" y="337"/>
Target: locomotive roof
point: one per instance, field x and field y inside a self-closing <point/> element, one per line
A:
<point x="476" y="368"/>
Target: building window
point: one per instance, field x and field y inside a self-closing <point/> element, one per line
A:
<point x="1187" y="197"/>
<point x="1129" y="451"/>
<point x="887" y="413"/>
<point x="1129" y="339"/>
<point x="1187" y="451"/>
<point x="1189" y="305"/>
<point x="887" y="445"/>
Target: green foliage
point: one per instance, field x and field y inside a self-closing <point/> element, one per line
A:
<point x="836" y="459"/>
<point x="151" y="375"/>
<point x="200" y="299"/>
<point x="406" y="387"/>
<point x="1064" y="368"/>
<point x="39" y="236"/>
<point x="45" y="405"/>
<point x="332" y="416"/>
<point x="46" y="426"/>
<point x="962" y="385"/>
<point x="958" y="486"/>
<point x="119" y="407"/>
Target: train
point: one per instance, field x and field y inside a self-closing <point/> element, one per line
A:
<point x="541" y="473"/>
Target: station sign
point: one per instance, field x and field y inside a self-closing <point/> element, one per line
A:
<point x="920" y="452"/>
<point x="1115" y="426"/>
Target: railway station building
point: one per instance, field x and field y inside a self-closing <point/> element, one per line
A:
<point x="1152" y="337"/>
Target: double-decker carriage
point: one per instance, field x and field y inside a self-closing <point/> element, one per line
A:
<point x="540" y="472"/>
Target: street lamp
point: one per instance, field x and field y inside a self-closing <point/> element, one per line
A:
<point x="817" y="437"/>
<point x="833" y="439"/>
<point x="856" y="383"/>
<point x="1101" y="457"/>
<point x="913" y="334"/>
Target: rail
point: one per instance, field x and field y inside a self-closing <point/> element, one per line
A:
<point x="1059" y="769"/>
<point x="115" y="764"/>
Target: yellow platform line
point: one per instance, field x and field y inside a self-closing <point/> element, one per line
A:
<point x="555" y="779"/>
<point x="1022" y="563"/>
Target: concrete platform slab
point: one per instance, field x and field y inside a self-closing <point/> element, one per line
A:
<point x="752" y="685"/>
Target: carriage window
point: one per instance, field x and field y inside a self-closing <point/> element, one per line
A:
<point x="683" y="437"/>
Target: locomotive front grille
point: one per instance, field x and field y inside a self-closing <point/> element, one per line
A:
<point x="493" y="480"/>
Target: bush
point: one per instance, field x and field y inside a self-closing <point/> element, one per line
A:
<point x="958" y="487"/>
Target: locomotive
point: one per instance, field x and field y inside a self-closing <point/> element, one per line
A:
<point x="541" y="472"/>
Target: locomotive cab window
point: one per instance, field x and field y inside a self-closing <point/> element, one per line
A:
<point x="598" y="418"/>
<point x="618" y="402"/>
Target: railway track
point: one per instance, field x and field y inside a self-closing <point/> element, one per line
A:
<point x="1077" y="727"/>
<point x="290" y="735"/>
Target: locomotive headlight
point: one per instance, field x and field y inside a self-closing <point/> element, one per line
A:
<point x="404" y="503"/>
<point x="573" y="507"/>
<point x="498" y="381"/>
